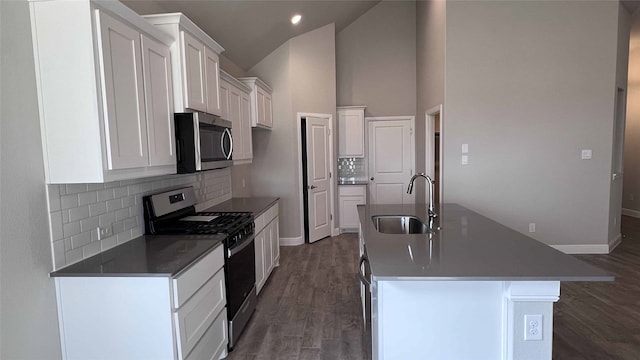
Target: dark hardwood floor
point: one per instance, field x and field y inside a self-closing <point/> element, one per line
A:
<point x="310" y="307"/>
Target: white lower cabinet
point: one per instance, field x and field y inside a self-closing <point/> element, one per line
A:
<point x="139" y="317"/>
<point x="350" y="196"/>
<point x="267" y="244"/>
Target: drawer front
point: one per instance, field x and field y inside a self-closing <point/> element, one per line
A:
<point x="196" y="315"/>
<point x="271" y="213"/>
<point x="190" y="280"/>
<point x="214" y="341"/>
<point x="351" y="190"/>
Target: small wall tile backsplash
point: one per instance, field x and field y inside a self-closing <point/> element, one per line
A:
<point x="352" y="168"/>
<point x="77" y="210"/>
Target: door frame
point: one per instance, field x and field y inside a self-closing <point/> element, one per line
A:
<point x="332" y="161"/>
<point x="370" y="119"/>
<point x="429" y="166"/>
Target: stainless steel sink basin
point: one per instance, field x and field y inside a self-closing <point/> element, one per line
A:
<point x="399" y="224"/>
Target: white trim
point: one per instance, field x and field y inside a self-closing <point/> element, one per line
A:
<point x="590" y="248"/>
<point x="185" y="24"/>
<point x="336" y="232"/>
<point x="332" y="161"/>
<point x="631" y="212"/>
<point x="292" y="241"/>
<point x="430" y="117"/>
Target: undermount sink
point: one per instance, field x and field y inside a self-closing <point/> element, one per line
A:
<point x="399" y="224"/>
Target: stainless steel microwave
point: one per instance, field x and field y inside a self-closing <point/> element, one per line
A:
<point x="203" y="142"/>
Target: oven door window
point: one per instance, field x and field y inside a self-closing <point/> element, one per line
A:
<point x="215" y="143"/>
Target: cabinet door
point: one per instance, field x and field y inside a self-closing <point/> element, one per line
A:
<point x="156" y="62"/>
<point x="351" y="133"/>
<point x="235" y="113"/>
<point x="123" y="94"/>
<point x="193" y="76"/>
<point x="212" y="80"/>
<point x="268" y="242"/>
<point x="260" y="106"/>
<point x="275" y="242"/>
<point x="224" y="99"/>
<point x="349" y="211"/>
<point x="245" y="121"/>
<point x="260" y="269"/>
<point x="268" y="111"/>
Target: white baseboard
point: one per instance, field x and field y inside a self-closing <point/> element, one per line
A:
<point x="293" y="241"/>
<point x="335" y="232"/>
<point x="590" y="249"/>
<point x="631" y="212"/>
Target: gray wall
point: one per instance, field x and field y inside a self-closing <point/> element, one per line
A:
<point x="527" y="86"/>
<point x="29" y="326"/>
<point x="631" y="194"/>
<point x="376" y="60"/>
<point x="302" y="74"/>
<point x="430" y="36"/>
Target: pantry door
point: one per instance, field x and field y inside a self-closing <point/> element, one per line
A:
<point x="391" y="164"/>
<point x="318" y="178"/>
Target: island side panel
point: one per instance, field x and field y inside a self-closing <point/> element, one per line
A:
<point x="438" y="320"/>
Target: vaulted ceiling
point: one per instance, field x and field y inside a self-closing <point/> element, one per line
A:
<point x="250" y="30"/>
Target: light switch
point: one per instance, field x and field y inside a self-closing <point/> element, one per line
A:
<point x="586" y="154"/>
<point x="464" y="160"/>
<point x="465" y="148"/>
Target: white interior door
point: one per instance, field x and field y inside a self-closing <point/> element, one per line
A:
<point x="390" y="160"/>
<point x="318" y="187"/>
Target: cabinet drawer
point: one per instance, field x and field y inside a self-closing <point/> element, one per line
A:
<point x="271" y="213"/>
<point x="191" y="279"/>
<point x="213" y="342"/>
<point x="195" y="316"/>
<point x="260" y="223"/>
<point x="351" y="190"/>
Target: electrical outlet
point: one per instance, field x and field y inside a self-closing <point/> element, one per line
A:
<point x="532" y="227"/>
<point x="464" y="160"/>
<point x="631" y="197"/>
<point x="104" y="232"/>
<point x="243" y="183"/>
<point x="533" y="327"/>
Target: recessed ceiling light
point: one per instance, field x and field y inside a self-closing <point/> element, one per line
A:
<point x="296" y="19"/>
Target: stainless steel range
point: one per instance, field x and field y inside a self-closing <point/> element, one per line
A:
<point x="173" y="212"/>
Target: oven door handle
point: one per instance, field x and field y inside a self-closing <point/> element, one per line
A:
<point x="237" y="249"/>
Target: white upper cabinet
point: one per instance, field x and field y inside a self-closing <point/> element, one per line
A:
<point x="104" y="92"/>
<point x="351" y="131"/>
<point x="261" y="104"/>
<point x="236" y="107"/>
<point x="196" y="64"/>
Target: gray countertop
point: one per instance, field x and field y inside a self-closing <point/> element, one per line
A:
<point x="255" y="205"/>
<point x="468" y="246"/>
<point x="157" y="255"/>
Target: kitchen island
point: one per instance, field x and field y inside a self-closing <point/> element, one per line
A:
<point x="463" y="289"/>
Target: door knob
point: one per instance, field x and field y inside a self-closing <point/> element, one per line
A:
<point x="372" y="178"/>
<point x="312" y="187"/>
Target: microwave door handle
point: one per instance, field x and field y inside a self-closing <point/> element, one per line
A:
<point x="196" y="138"/>
<point x="227" y="133"/>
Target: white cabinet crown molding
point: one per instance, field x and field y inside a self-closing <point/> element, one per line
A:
<point x="233" y="81"/>
<point x="187" y="24"/>
<point x="253" y="80"/>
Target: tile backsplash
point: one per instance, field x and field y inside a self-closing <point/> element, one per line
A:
<point x="77" y="210"/>
<point x="352" y="168"/>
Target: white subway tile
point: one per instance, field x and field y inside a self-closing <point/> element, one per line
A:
<point x="120" y="192"/>
<point x="76" y="188"/>
<point x="122" y="214"/>
<point x="56" y="226"/>
<point x="94" y="187"/>
<point x="91" y="249"/>
<point x="97" y="209"/>
<point x="58" y="254"/>
<point x="69" y="201"/>
<point x="65" y="216"/>
<point x="86" y="198"/>
<point x="124" y="237"/>
<point x="107" y="219"/>
<point x="80" y="240"/>
<point x="62" y="189"/>
<point x="67" y="244"/>
<point x="130" y="223"/>
<point x="53" y="193"/>
<point x="137" y="231"/>
<point x="71" y="229"/>
<point x="112" y="184"/>
<point x="118" y="227"/>
<point x="78" y="213"/>
<point x="104" y="195"/>
<point x="73" y="256"/>
<point x="108" y="243"/>
<point x="113" y="205"/>
<point x="89" y="224"/>
<point x="128" y="201"/>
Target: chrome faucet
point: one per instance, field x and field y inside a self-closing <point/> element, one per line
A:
<point x="430" y="211"/>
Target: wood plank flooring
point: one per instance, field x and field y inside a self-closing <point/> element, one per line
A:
<point x="310" y="307"/>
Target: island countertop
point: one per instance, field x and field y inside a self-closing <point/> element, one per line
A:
<point x="468" y="246"/>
